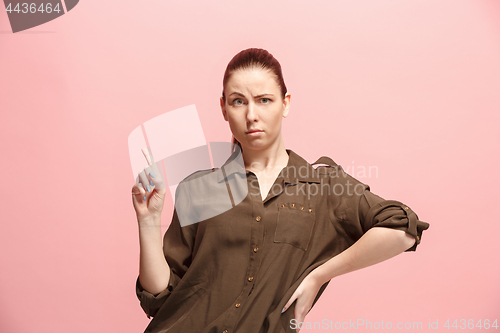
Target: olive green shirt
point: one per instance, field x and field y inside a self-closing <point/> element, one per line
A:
<point x="235" y="271"/>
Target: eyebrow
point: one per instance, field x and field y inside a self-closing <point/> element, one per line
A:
<point x="240" y="94"/>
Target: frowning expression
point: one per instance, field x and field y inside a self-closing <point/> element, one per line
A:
<point x="254" y="108"/>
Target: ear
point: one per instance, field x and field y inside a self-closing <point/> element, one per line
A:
<point x="286" y="104"/>
<point x="223" y="109"/>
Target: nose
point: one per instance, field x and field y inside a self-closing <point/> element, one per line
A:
<point x="251" y="112"/>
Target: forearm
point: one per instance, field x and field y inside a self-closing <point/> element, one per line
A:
<point x="154" y="272"/>
<point x="376" y="245"/>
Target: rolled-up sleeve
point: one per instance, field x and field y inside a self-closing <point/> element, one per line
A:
<point x="178" y="243"/>
<point x="375" y="211"/>
<point x="151" y="303"/>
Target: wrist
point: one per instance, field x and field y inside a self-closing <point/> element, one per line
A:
<point x="319" y="275"/>
<point x="148" y="222"/>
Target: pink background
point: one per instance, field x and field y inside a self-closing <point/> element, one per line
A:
<point x="411" y="87"/>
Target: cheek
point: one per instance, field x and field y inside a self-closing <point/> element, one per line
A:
<point x="235" y="124"/>
<point x="277" y="117"/>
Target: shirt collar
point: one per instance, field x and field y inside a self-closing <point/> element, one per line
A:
<point x="297" y="169"/>
<point x="234" y="164"/>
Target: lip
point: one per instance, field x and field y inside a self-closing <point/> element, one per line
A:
<point x="254" y="132"/>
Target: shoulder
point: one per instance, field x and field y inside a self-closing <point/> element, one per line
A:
<point x="338" y="177"/>
<point x="198" y="174"/>
<point x="195" y="184"/>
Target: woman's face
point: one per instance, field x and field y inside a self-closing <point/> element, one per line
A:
<point x="254" y="108"/>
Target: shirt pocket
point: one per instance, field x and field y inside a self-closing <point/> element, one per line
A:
<point x="295" y="225"/>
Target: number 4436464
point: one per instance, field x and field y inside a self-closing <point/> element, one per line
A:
<point x="471" y="324"/>
<point x="32" y="8"/>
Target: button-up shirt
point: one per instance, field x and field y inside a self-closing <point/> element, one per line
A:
<point x="233" y="269"/>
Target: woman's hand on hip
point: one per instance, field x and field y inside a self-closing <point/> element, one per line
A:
<point x="148" y="195"/>
<point x="304" y="294"/>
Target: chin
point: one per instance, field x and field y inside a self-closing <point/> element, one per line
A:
<point x="255" y="146"/>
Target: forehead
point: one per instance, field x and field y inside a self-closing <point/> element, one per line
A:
<point x="252" y="79"/>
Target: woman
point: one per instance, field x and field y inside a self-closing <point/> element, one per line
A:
<point x="261" y="265"/>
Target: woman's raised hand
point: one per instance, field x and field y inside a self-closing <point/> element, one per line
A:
<point x="148" y="195"/>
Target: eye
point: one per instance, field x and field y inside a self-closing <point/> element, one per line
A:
<point x="265" y="100"/>
<point x="238" y="101"/>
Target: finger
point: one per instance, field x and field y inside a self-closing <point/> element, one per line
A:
<point x="145" y="152"/>
<point x="156" y="176"/>
<point x="299" y="324"/>
<point x="299" y="314"/>
<point x="298" y="317"/>
<point x="148" y="173"/>
<point x="138" y="193"/>
<point x="153" y="172"/>
<point x="299" y="321"/>
<point x="137" y="189"/>
<point x="302" y="308"/>
<point x="155" y="180"/>
<point x="145" y="183"/>
<point x="290" y="301"/>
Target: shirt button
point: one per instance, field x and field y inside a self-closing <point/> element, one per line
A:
<point x="225" y="331"/>
<point x="250" y="278"/>
<point x="310" y="210"/>
<point x="257" y="218"/>
<point x="237" y="305"/>
<point x="406" y="208"/>
<point x="302" y="207"/>
<point x="418" y="238"/>
<point x="255" y="249"/>
<point x="293" y="205"/>
<point x="282" y="205"/>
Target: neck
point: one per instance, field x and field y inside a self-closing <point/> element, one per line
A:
<point x="272" y="158"/>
